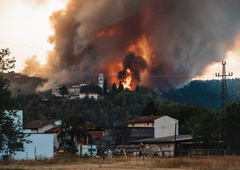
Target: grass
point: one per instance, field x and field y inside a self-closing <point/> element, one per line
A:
<point x="117" y="163"/>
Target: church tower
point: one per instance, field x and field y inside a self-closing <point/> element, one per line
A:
<point x="100" y="80"/>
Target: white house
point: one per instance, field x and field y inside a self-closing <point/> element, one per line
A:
<point x="142" y="121"/>
<point x="88" y="95"/>
<point x="41" y="145"/>
<point x="166" y="135"/>
<point x="41" y="126"/>
<point x="165" y="126"/>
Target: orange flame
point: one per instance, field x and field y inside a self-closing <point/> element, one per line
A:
<point x="127" y="81"/>
<point x="141" y="48"/>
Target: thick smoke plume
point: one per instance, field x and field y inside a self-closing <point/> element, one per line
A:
<point x="136" y="64"/>
<point x="176" y="40"/>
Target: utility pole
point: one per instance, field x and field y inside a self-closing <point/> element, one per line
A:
<point x="224" y="99"/>
<point x="224" y="76"/>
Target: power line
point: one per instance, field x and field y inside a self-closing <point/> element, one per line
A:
<point x="26" y="46"/>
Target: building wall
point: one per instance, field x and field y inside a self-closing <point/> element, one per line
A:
<point x="167" y="149"/>
<point x="45" y="128"/>
<point x="89" y="95"/>
<point x="165" y="126"/>
<point x="145" y="124"/>
<point x="41" y="147"/>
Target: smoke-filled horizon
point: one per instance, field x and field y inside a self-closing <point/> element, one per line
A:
<point x="171" y="41"/>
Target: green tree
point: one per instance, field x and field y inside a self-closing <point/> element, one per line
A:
<point x="72" y="130"/>
<point x="120" y="87"/>
<point x="91" y="88"/>
<point x="203" y="127"/>
<point x="11" y="136"/>
<point x="105" y="87"/>
<point x="149" y="109"/>
<point x="114" y="89"/>
<point x="6" y="62"/>
<point x="63" y="90"/>
<point x="231" y="127"/>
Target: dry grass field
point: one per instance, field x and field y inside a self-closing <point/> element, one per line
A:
<point x="120" y="163"/>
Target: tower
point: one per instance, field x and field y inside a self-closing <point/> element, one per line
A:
<point x="100" y="80"/>
<point x="224" y="96"/>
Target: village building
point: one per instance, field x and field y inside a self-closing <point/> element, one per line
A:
<point x="75" y="90"/>
<point x="41" y="145"/>
<point x="142" y="121"/>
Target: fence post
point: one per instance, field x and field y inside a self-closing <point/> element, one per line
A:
<point x="35" y="153"/>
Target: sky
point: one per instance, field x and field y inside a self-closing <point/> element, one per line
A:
<point x="25" y="29"/>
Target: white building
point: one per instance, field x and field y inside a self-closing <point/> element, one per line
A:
<point x="41" y="145"/>
<point x="165" y="126"/>
<point x="166" y="135"/>
<point x="88" y="95"/>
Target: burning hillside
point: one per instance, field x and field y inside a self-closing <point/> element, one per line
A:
<point x="156" y="43"/>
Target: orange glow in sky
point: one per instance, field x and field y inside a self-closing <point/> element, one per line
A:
<point x="232" y="64"/>
<point x="25" y="28"/>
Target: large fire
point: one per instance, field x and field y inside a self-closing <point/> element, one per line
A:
<point x="135" y="62"/>
<point x="155" y="43"/>
<point x="127" y="81"/>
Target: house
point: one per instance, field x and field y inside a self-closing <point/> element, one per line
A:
<point x="165" y="126"/>
<point x="88" y="95"/>
<point x="41" y="145"/>
<point x="45" y="126"/>
<point x="166" y="136"/>
<point x="142" y="121"/>
<point x="74" y="91"/>
<point x="56" y="92"/>
<point x="41" y="126"/>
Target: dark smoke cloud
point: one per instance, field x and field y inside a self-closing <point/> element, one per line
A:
<point x="135" y="63"/>
<point x="184" y="36"/>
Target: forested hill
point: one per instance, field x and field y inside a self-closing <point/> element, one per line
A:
<point x="22" y="84"/>
<point x="198" y="92"/>
<point x="204" y="93"/>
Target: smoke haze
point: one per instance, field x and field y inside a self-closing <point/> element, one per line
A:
<point x="175" y="40"/>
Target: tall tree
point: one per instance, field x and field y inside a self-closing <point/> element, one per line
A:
<point x="231" y="127"/>
<point x="6" y="62"/>
<point x="114" y="88"/>
<point x="203" y="126"/>
<point x="11" y="136"/>
<point x="63" y="90"/>
<point x="149" y="109"/>
<point x="72" y="130"/>
<point x="120" y="87"/>
<point x="105" y="87"/>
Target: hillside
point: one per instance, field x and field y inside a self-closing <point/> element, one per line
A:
<point x="25" y="84"/>
<point x="204" y="93"/>
<point x="198" y="92"/>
